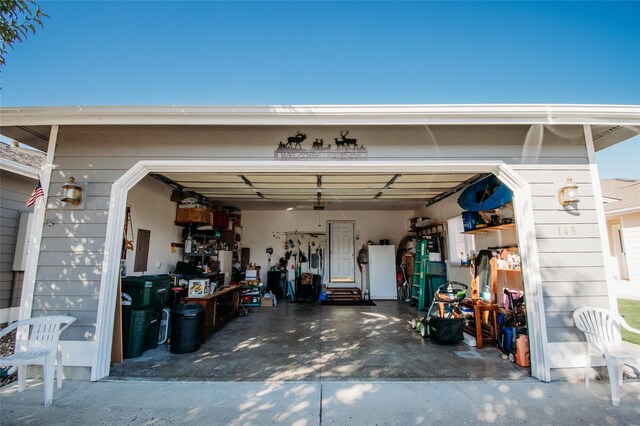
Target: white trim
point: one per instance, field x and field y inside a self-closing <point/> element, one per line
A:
<point x="602" y="219"/>
<point x="623" y="115"/>
<point x="9" y="315"/>
<point x="77" y="353"/>
<point x="622" y="211"/>
<point x="18" y="169"/>
<point x="530" y="266"/>
<point x="40" y="209"/>
<point x="115" y="224"/>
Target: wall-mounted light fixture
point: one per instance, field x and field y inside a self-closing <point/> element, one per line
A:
<point x="568" y="194"/>
<point x="71" y="193"/>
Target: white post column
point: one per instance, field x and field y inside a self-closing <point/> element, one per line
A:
<point x="35" y="237"/>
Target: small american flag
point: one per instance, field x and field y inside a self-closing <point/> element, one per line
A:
<point x="38" y="192"/>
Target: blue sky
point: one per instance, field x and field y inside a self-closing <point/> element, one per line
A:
<point x="249" y="53"/>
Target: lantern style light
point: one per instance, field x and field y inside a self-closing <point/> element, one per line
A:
<point x="71" y="193"/>
<point x="568" y="194"/>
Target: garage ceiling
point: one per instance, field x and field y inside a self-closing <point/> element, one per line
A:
<point x="331" y="191"/>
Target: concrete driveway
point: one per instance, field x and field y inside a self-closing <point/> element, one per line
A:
<point x="320" y="403"/>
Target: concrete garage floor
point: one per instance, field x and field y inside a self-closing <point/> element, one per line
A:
<point x="309" y="342"/>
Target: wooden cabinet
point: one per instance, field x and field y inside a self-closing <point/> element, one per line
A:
<point x="195" y="215"/>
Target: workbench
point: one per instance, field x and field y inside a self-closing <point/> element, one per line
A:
<point x="484" y="328"/>
<point x="219" y="307"/>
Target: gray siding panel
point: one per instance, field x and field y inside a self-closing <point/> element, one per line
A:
<point x="69" y="273"/>
<point x="57" y="258"/>
<point x="575" y="274"/>
<point x="68" y="288"/>
<point x="576" y="289"/>
<point x="78" y="230"/>
<point x="570" y="249"/>
<point x="571" y="263"/>
<point x="14" y="192"/>
<point x="75" y="216"/>
<point x="73" y="244"/>
<point x="567" y="245"/>
<point x="66" y="303"/>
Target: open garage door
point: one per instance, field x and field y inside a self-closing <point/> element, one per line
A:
<point x="376" y="193"/>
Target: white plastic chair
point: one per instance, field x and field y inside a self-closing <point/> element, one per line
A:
<point x="40" y="347"/>
<point x="602" y="330"/>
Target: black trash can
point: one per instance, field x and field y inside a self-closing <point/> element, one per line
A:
<point x="187" y="322"/>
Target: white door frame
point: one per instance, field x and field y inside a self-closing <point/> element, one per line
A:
<point x="521" y="201"/>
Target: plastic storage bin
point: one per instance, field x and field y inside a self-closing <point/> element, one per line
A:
<point x="149" y="290"/>
<point x="143" y="300"/>
<point x="135" y="325"/>
<point x="187" y="322"/>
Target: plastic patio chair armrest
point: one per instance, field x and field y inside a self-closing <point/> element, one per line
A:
<point x="9" y="329"/>
<point x="66" y="325"/>
<point x="626" y="326"/>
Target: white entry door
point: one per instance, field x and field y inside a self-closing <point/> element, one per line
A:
<point x="342" y="260"/>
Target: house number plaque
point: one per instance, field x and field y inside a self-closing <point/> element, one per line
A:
<point x="567" y="231"/>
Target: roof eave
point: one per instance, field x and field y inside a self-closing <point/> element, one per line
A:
<point x="17" y="168"/>
<point x="624" y="115"/>
<point x="627" y="210"/>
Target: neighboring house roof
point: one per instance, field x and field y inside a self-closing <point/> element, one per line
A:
<point x="21" y="161"/>
<point x="621" y="195"/>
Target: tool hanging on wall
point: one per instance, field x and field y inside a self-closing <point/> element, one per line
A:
<point x="128" y="226"/>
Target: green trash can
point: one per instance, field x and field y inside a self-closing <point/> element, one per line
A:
<point x="143" y="300"/>
<point x="135" y="328"/>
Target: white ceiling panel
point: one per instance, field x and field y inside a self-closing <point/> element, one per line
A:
<point x="337" y="191"/>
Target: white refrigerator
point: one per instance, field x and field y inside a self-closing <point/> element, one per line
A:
<point x="382" y="272"/>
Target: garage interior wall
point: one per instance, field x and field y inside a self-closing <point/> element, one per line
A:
<point x="261" y="229"/>
<point x="572" y="265"/>
<point x="152" y="209"/>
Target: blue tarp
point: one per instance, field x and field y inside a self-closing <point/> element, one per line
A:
<point x="486" y="194"/>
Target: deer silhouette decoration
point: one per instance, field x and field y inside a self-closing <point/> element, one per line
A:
<point x="346" y="143"/>
<point x="295" y="141"/>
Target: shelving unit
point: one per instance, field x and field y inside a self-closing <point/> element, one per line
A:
<point x="251" y="295"/>
<point x="198" y="256"/>
<point x="491" y="228"/>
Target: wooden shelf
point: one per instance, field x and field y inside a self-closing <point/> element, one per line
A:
<point x="509" y="269"/>
<point x="491" y="228"/>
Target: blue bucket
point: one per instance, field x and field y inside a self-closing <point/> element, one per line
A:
<point x="469" y="220"/>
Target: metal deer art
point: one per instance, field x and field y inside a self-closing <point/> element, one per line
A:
<point x="346" y="143"/>
<point x="295" y="141"/>
<point x="345" y="149"/>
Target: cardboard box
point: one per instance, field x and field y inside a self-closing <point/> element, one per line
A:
<point x="198" y="288"/>
<point x="267" y="302"/>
